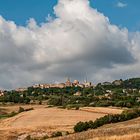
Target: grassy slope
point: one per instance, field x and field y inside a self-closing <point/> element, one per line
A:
<point x="45" y="117"/>
<point x="129" y="130"/>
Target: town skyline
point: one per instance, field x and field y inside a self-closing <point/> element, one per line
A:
<point x="67" y="83"/>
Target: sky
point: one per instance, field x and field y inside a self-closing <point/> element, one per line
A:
<point x="123" y="13"/>
<point x="49" y="40"/>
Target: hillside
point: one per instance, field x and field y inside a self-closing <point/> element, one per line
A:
<point x="43" y="121"/>
<point x="129" y="130"/>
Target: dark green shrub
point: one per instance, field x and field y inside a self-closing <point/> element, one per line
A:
<point x="56" y="134"/>
<point x="12" y="114"/>
<point x="45" y="137"/>
<point x="28" y="138"/>
<point x="124" y="116"/>
<point x="21" y="109"/>
<point x="91" y="124"/>
<point x="40" y="102"/>
<point x="81" y="126"/>
<point x="77" y="108"/>
<point x="28" y="109"/>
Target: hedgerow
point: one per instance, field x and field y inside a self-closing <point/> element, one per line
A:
<point x="107" y="119"/>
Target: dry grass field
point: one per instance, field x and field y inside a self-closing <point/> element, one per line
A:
<point x="129" y="130"/>
<point x="103" y="110"/>
<point x="43" y="120"/>
<point x="135" y="136"/>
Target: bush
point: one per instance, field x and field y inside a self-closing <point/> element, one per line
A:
<point x="12" y="114"/>
<point x="45" y="137"/>
<point x="28" y="137"/>
<point x="81" y="126"/>
<point x="56" y="134"/>
<point x="28" y="109"/>
<point x="40" y="102"/>
<point x="56" y="101"/>
<point x="21" y="109"/>
<point x="77" y="108"/>
<point x="91" y="124"/>
<point x="124" y="116"/>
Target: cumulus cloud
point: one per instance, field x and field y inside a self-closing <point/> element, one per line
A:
<point x="79" y="41"/>
<point x="121" y="5"/>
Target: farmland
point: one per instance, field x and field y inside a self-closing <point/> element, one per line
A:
<point x="44" y="120"/>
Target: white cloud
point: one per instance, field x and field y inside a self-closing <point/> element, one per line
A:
<point x="79" y="41"/>
<point x="121" y="5"/>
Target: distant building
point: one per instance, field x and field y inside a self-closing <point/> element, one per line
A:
<point x="21" y="89"/>
<point x="46" y="85"/>
<point x="41" y="86"/>
<point x="81" y="85"/>
<point x="117" y="82"/>
<point x="77" y="94"/>
<point x="61" y="85"/>
<point x="68" y="83"/>
<point x="124" y="90"/>
<point x="53" y="85"/>
<point x="87" y="84"/>
<point x="36" y="86"/>
<point x="76" y="83"/>
<point x="1" y="93"/>
<point x="108" y="91"/>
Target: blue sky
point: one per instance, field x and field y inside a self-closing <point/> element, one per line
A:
<point x="21" y="10"/>
<point x="126" y="16"/>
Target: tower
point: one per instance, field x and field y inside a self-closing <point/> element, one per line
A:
<point x="68" y="83"/>
<point x="68" y="79"/>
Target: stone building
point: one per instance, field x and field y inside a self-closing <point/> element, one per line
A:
<point x="68" y="83"/>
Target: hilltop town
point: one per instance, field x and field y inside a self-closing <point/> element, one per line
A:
<point x="106" y="93"/>
<point x="68" y="83"/>
<point x="69" y="103"/>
